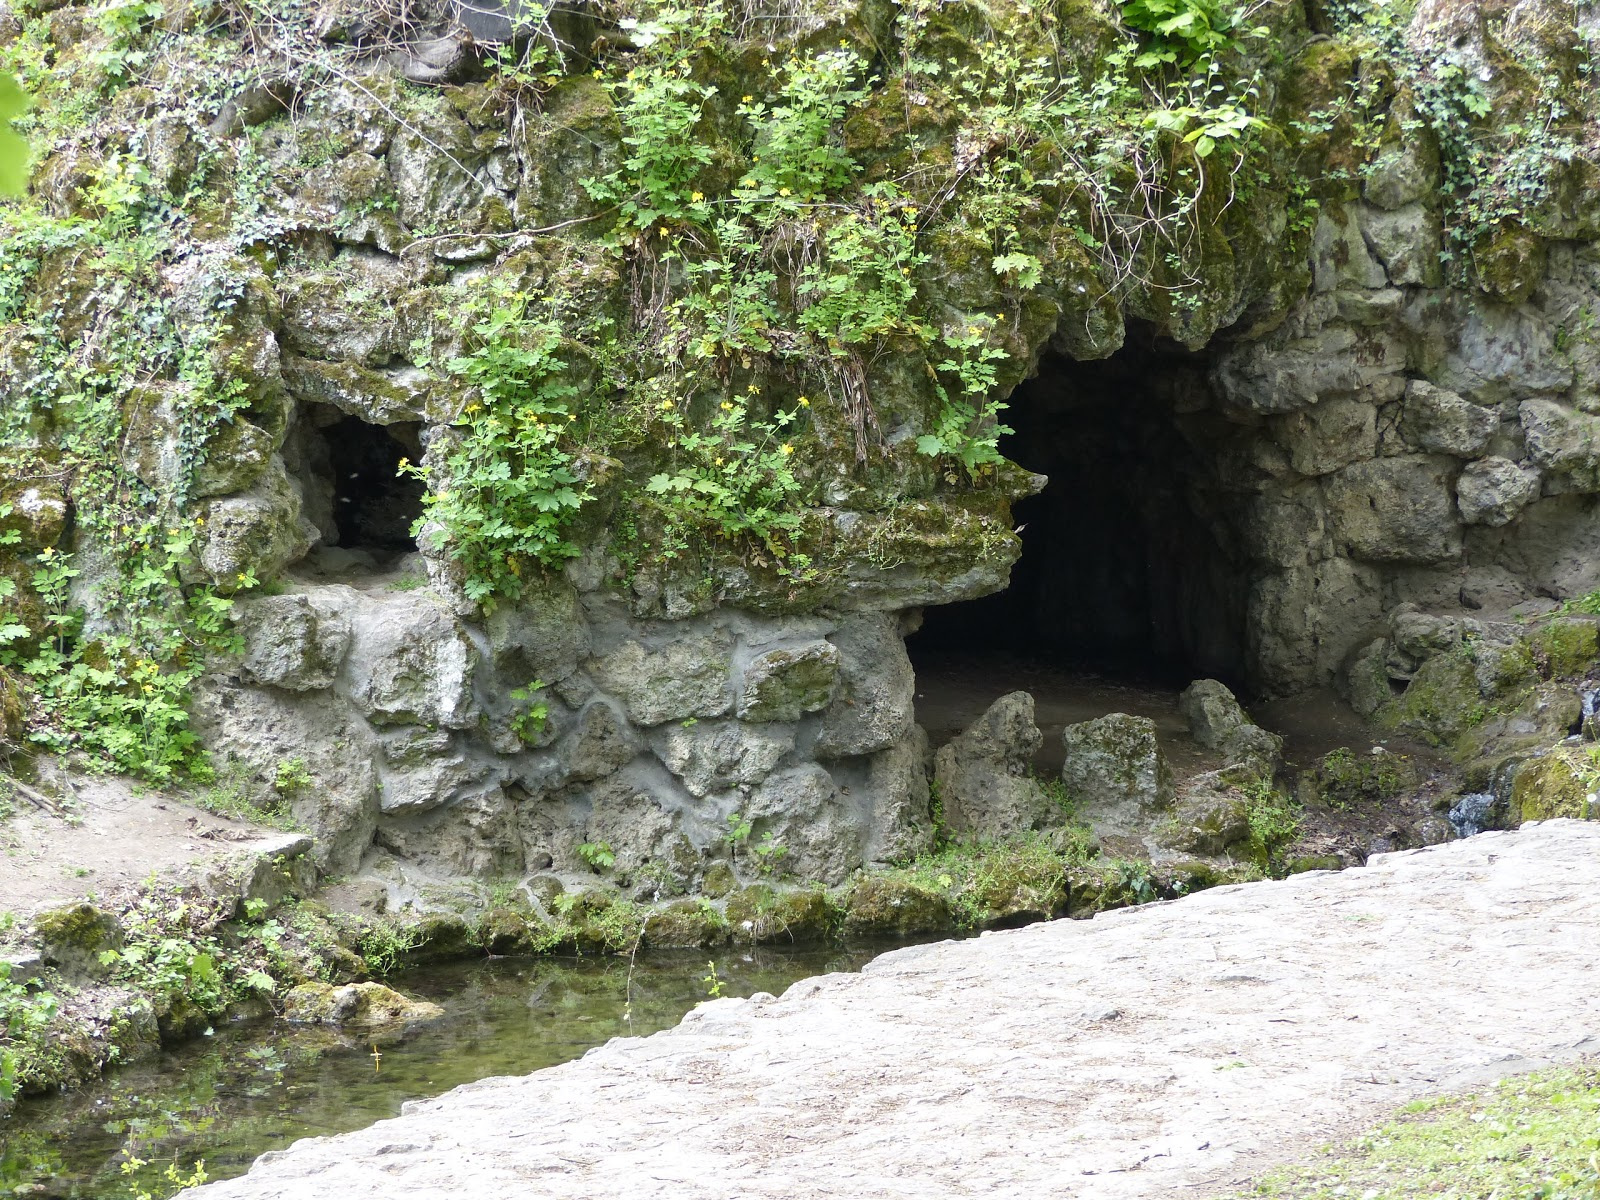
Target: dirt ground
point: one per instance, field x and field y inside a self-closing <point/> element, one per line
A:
<point x="72" y="837"/>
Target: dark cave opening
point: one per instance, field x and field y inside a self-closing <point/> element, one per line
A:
<point x="1126" y="569"/>
<point x="356" y="495"/>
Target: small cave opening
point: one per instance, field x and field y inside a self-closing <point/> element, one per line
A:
<point x="353" y="489"/>
<point x="1129" y="585"/>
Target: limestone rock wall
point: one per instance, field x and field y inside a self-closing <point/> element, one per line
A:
<point x="416" y="725"/>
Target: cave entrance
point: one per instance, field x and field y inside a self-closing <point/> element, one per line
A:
<point x="1127" y="586"/>
<point x="355" y="493"/>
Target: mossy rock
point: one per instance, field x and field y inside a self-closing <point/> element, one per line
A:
<point x="761" y="914"/>
<point x="1343" y="778"/>
<point x="1439" y="704"/>
<point x="1314" y="862"/>
<point x="73" y="938"/>
<point x="686" y="925"/>
<point x="439" y="937"/>
<point x="354" y="1004"/>
<point x="1564" y="648"/>
<point x="512" y="929"/>
<point x="888" y="906"/>
<point x="1557" y="784"/>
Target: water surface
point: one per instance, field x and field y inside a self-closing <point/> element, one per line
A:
<point x="258" y="1086"/>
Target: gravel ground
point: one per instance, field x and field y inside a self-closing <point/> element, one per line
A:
<point x="1174" y="1049"/>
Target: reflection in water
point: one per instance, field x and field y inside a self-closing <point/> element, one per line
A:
<point x="258" y="1086"/>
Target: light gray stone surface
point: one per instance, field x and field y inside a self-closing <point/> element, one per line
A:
<point x="1170" y="1050"/>
<point x="983" y="776"/>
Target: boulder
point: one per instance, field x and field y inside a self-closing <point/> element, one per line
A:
<point x="289" y="642"/>
<point x="600" y="742"/>
<point x="784" y="684"/>
<point x="1396" y="510"/>
<point x="713" y="756"/>
<point x="890" y="906"/>
<point x="1219" y="723"/>
<point x="687" y="676"/>
<point x="1212" y="817"/>
<point x="359" y="1004"/>
<point x="1492" y="491"/>
<point x="1441" y="422"/>
<point x="897" y="786"/>
<point x="1553" y="785"/>
<point x="1564" y="442"/>
<point x="984" y="776"/>
<point x="1116" y="771"/>
<point x="873" y="709"/>
<point x="822" y="835"/>
<point x="411" y="662"/>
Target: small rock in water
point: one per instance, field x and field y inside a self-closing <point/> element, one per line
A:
<point x="1470" y="814"/>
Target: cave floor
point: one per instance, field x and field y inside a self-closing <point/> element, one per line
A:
<point x="1175" y="1049"/>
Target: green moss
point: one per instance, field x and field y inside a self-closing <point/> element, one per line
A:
<point x="762" y="913"/>
<point x="895" y="906"/>
<point x="1533" y="1135"/>
<point x="1557" y="784"/>
<point x="1344" y="779"/>
<point x="1564" y="647"/>
<point x="685" y="925"/>
<point x="1439" y="704"/>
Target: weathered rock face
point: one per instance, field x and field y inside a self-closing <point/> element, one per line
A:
<point x="1349" y="429"/>
<point x="1116" y="773"/>
<point x="419" y="733"/>
<point x="1219" y="723"/>
<point x="985" y="778"/>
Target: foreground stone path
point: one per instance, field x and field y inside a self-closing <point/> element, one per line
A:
<point x="1166" y="1050"/>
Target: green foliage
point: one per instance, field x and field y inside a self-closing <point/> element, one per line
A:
<point x="178" y="1179"/>
<point x="14" y="150"/>
<point x="968" y="430"/>
<point x="598" y="855"/>
<point x="769" y="854"/>
<point x="712" y="981"/>
<point x="1183" y="32"/>
<point x="26" y="1011"/>
<point x="734" y="480"/>
<point x="111" y="696"/>
<point x="291" y="778"/>
<point x="796" y="158"/>
<point x="1275" y="819"/>
<point x="661" y="106"/>
<point x="531" y="714"/>
<point x="861" y="288"/>
<point x="505" y="489"/>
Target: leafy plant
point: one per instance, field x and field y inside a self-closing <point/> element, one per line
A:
<point x="598" y="855"/>
<point x="735" y="480"/>
<point x="1186" y="31"/>
<point x="769" y="853"/>
<point x="506" y="487"/>
<point x="529" y="719"/>
<point x="712" y="981"/>
<point x="291" y="778"/>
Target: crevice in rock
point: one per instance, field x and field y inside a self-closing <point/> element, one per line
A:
<point x="352" y="490"/>
<point x="1129" y="565"/>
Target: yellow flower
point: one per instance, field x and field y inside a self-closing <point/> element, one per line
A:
<point x="787" y="448"/>
<point x="243" y="578"/>
<point x="147" y="689"/>
<point x="727" y="406"/>
<point x="753" y="390"/>
<point x="474" y="407"/>
<point x="665" y="231"/>
<point x="572" y="416"/>
<point x="404" y="463"/>
<point x="718" y="460"/>
<point x="666" y="405"/>
<point x="783" y="191"/>
<point x="747" y="99"/>
<point x="597" y="73"/>
<point x="696" y="197"/>
<point x="804" y="403"/>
